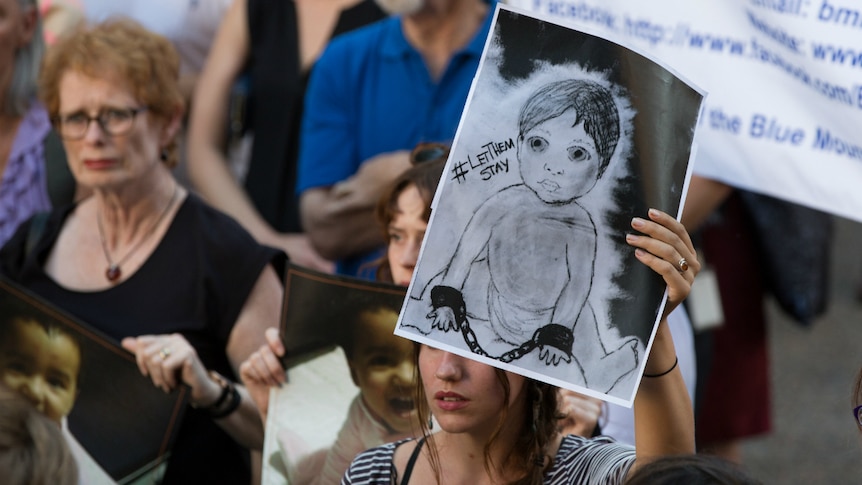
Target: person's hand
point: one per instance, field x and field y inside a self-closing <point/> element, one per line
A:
<point x="581" y="413"/>
<point x="449" y="310"/>
<point x="170" y="360"/>
<point x="300" y="251"/>
<point x="263" y="370"/>
<point x="666" y="247"/>
<point x="551" y="355"/>
<point x="555" y="343"/>
<point x="442" y="319"/>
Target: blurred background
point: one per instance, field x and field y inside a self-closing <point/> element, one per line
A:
<point x="814" y="439"/>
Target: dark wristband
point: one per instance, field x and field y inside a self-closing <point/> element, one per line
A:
<point x="225" y="391"/>
<point x="675" y="363"/>
<point x="232" y="405"/>
<point x="227" y="402"/>
<point x="446" y="296"/>
<point x="556" y="336"/>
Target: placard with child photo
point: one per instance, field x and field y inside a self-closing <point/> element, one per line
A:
<point x="349" y="378"/>
<point x="119" y="427"/>
<point x="565" y="138"/>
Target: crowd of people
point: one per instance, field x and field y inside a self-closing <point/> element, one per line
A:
<point x="155" y="184"/>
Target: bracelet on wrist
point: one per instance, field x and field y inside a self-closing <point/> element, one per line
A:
<point x="660" y="374"/>
<point x="225" y="391"/>
<point x="228" y="401"/>
<point x="232" y="404"/>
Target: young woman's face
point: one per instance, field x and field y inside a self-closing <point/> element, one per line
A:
<point x="559" y="160"/>
<point x="405" y="235"/>
<point x="382" y="367"/>
<point x="41" y="366"/>
<point x="465" y="395"/>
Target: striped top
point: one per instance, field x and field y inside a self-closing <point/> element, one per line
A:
<point x="589" y="461"/>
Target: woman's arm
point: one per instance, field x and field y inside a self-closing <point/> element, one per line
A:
<point x="704" y="196"/>
<point x="664" y="420"/>
<point x="207" y="165"/>
<point x="169" y="360"/>
<point x="261" y="311"/>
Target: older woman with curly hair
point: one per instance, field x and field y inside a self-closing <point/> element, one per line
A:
<point x="184" y="287"/>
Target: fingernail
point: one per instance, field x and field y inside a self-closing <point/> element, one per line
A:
<point x="638" y="222"/>
<point x="640" y="252"/>
<point x="631" y="238"/>
<point x="653" y="213"/>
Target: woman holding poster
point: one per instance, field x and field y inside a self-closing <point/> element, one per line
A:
<point x="142" y="260"/>
<point x="511" y="421"/>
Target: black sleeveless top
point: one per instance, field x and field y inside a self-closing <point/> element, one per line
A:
<point x="275" y="103"/>
<point x="195" y="282"/>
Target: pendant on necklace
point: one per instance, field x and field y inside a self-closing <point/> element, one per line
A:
<point x="113" y="273"/>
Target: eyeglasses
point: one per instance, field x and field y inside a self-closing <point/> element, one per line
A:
<point x="428" y="152"/>
<point x="113" y="121"/>
<point x="857" y="413"/>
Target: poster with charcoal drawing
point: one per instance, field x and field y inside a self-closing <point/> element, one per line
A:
<point x="119" y="426"/>
<point x="564" y="139"/>
<point x="349" y="378"/>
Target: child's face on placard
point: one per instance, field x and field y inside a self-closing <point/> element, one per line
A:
<point x="41" y="365"/>
<point x="558" y="159"/>
<point x="382" y="366"/>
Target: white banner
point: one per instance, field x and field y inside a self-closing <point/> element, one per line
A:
<point x="784" y="77"/>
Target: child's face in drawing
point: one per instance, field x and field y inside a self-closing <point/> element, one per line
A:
<point x="559" y="161"/>
<point x="405" y="235"/>
<point x="41" y="366"/>
<point x="382" y="367"/>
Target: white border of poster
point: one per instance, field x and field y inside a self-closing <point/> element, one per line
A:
<point x="530" y="272"/>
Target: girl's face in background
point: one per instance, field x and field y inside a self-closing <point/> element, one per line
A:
<point x="406" y="232"/>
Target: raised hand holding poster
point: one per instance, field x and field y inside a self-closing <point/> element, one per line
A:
<point x="565" y="138"/>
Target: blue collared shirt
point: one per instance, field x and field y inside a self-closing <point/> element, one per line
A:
<point x="371" y="93"/>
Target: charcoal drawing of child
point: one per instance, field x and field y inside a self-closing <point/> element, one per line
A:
<point x="533" y="241"/>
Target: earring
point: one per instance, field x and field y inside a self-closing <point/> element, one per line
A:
<point x="430" y="421"/>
